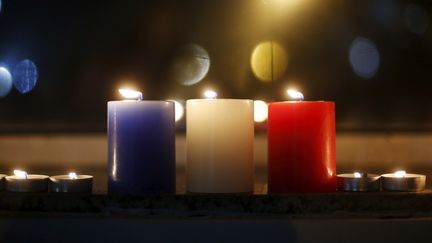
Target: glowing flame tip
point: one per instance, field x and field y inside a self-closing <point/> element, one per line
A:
<point x="210" y="94"/>
<point x="73" y="175"/>
<point x="131" y="94"/>
<point x="20" y="173"/>
<point x="294" y="94"/>
<point x="400" y="173"/>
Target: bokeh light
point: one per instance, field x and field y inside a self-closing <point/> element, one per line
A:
<point x="281" y="3"/>
<point x="364" y="57"/>
<point x="179" y="110"/>
<point x="190" y="65"/>
<point x="5" y="82"/>
<point x="269" y="61"/>
<point x="416" y="19"/>
<point x="260" y="111"/>
<point x="25" y="76"/>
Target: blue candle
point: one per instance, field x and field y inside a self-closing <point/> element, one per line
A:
<point x="141" y="146"/>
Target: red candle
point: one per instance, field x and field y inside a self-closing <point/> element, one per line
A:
<point x="301" y="147"/>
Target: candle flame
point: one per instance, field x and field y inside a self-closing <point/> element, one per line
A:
<point x="294" y="94"/>
<point x="131" y="94"/>
<point x="210" y="94"/>
<point x="357" y="175"/>
<point x="73" y="175"/>
<point x="20" y="174"/>
<point x="400" y="173"/>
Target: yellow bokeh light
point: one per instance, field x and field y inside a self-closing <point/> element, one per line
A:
<point x="281" y="2"/>
<point x="260" y="111"/>
<point x="269" y="61"/>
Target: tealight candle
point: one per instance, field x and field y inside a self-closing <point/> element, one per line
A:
<point x="358" y="182"/>
<point x="71" y="183"/>
<point x="403" y="182"/>
<point x="23" y="182"/>
<point x="2" y="182"/>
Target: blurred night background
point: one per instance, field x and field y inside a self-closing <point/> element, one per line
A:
<point x="372" y="57"/>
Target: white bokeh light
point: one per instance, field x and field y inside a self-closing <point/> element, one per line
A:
<point x="179" y="110"/>
<point x="5" y="82"/>
<point x="260" y="111"/>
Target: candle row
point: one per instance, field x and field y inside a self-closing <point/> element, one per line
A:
<point x="23" y="182"/>
<point x="219" y="145"/>
<point x="398" y="181"/>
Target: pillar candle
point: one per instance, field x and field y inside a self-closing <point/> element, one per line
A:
<point x="301" y="147"/>
<point x="141" y="147"/>
<point x="219" y="140"/>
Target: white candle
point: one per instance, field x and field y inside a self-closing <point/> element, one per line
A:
<point x="402" y="181"/>
<point x="220" y="135"/>
<point x="23" y="182"/>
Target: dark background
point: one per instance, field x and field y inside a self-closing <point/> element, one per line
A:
<point x="85" y="50"/>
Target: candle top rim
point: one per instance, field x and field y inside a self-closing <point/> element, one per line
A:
<point x="351" y="176"/>
<point x="300" y="101"/>
<point x="220" y="99"/>
<point x="67" y="178"/>
<point x="29" y="177"/>
<point x="135" y="101"/>
<point x="407" y="175"/>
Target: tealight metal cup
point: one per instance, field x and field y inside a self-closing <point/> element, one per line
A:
<point x="63" y="183"/>
<point x="30" y="183"/>
<point x="365" y="183"/>
<point x="406" y="183"/>
<point x="2" y="182"/>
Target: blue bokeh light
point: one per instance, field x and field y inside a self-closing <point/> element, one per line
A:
<point x="5" y="82"/>
<point x="25" y="76"/>
<point x="364" y="57"/>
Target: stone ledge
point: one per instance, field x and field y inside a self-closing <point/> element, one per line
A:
<point x="335" y="205"/>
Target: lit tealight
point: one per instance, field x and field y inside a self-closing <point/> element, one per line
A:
<point x="358" y="182"/>
<point x="210" y="94"/>
<point x="20" y="181"/>
<point x="400" y="173"/>
<point x="400" y="181"/>
<point x="131" y="94"/>
<point x="73" y="176"/>
<point x="294" y="94"/>
<point x="21" y="174"/>
<point x="260" y="111"/>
